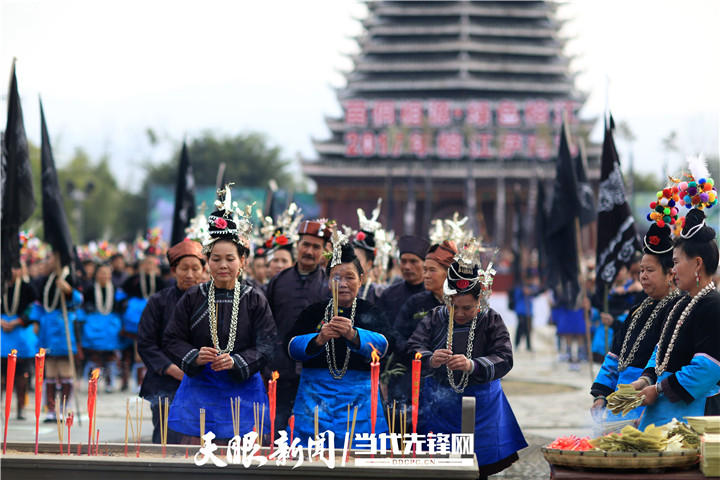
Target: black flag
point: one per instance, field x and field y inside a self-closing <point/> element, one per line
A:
<point x="541" y="221"/>
<point x="562" y="254"/>
<point x="18" y="198"/>
<point x="55" y="223"/>
<point x="586" y="197"/>
<point x="184" y="198"/>
<point x="617" y="237"/>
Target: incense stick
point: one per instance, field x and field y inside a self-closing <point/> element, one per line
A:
<point x="347" y="429"/>
<point x="352" y="430"/>
<point x="235" y="412"/>
<point x="127" y="420"/>
<point x="317" y="426"/>
<point x="262" y="424"/>
<point x="202" y="424"/>
<point x="451" y="310"/>
<point x="335" y="293"/>
<point x="58" y="419"/>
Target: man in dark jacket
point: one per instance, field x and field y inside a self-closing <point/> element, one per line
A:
<point x="412" y="255"/>
<point x="163" y="377"/>
<point x="288" y="293"/>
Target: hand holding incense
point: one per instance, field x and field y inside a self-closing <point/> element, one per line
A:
<point x="39" y="372"/>
<point x="10" y="382"/>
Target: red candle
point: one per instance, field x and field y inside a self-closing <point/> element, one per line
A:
<point x="92" y="397"/>
<point x="291" y="424"/>
<point x="39" y="372"/>
<point x="272" y="395"/>
<point x="69" y="423"/>
<point x="415" y="390"/>
<point x="12" y="362"/>
<point x="374" y="384"/>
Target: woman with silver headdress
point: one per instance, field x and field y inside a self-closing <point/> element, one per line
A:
<point x="466" y="350"/>
<point x="335" y="351"/>
<point x="220" y="335"/>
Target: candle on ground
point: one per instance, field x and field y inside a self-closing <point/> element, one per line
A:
<point x="39" y="373"/>
<point x="374" y="384"/>
<point x="10" y="382"/>
<point x="272" y="396"/>
<point x="415" y="390"/>
<point x="92" y="399"/>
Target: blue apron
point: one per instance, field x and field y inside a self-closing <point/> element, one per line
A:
<point x="214" y="391"/>
<point x="102" y="331"/>
<point x="497" y="433"/>
<point x="22" y="339"/>
<point x="319" y="388"/>
<point x="663" y="410"/>
<point x="131" y="317"/>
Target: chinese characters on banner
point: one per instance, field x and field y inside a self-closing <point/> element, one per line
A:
<point x="245" y="450"/>
<point x="476" y="129"/>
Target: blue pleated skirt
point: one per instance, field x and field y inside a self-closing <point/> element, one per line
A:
<point x="332" y="396"/>
<point x="497" y="433"/>
<point x="213" y="391"/>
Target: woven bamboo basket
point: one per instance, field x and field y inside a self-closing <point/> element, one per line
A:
<point x="621" y="460"/>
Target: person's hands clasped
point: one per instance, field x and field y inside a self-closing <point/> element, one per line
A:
<point x="343" y="326"/>
<point x="440" y="357"/>
<point x="218" y="362"/>
<point x="650" y="393"/>
<point x="607" y="319"/>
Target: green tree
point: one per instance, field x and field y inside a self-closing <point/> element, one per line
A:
<point x="250" y="160"/>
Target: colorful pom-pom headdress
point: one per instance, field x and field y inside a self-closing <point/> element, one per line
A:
<point x="696" y="191"/>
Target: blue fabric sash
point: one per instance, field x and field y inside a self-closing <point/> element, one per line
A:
<point x="331" y="396"/>
<point x="213" y="391"/>
<point x="497" y="433"/>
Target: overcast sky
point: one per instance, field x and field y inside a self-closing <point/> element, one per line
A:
<point x="107" y="70"/>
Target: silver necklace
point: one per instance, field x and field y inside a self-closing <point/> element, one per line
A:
<point x="143" y="286"/>
<point x="331" y="359"/>
<point x="49" y="307"/>
<point x="625" y="361"/>
<point x="106" y="306"/>
<point x="15" y="300"/>
<point x="660" y="367"/>
<point x="212" y="313"/>
<point x="465" y="375"/>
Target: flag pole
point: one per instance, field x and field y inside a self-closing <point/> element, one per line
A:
<point x="583" y="291"/>
<point x="71" y="358"/>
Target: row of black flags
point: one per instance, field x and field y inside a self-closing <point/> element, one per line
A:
<point x="18" y="198"/>
<point x="558" y="234"/>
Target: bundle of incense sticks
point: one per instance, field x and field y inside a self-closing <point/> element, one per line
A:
<point x="352" y="429"/>
<point x="164" y="414"/>
<point x="335" y="287"/>
<point x="451" y="310"/>
<point x="11" y="365"/>
<point x="262" y="424"/>
<point x="202" y="424"/>
<point x="235" y="412"/>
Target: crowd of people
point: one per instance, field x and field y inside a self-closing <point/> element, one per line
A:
<point x="308" y="304"/>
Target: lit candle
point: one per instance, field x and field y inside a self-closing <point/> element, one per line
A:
<point x="374" y="383"/>
<point x="291" y="424"/>
<point x="39" y="372"/>
<point x="415" y="389"/>
<point x="92" y="398"/>
<point x="272" y="395"/>
<point x="12" y="362"/>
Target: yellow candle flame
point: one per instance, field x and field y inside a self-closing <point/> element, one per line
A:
<point x="375" y="355"/>
<point x="41" y="353"/>
<point x="13" y="352"/>
<point x="418" y="356"/>
<point x="95" y="374"/>
<point x="275" y="375"/>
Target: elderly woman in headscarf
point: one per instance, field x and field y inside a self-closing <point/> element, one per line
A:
<point x="220" y="335"/>
<point x="466" y="350"/>
<point x="335" y="351"/>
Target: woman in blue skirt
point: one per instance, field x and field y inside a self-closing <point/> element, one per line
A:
<point x="468" y="360"/>
<point x="335" y="351"/>
<point x="220" y="335"/>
